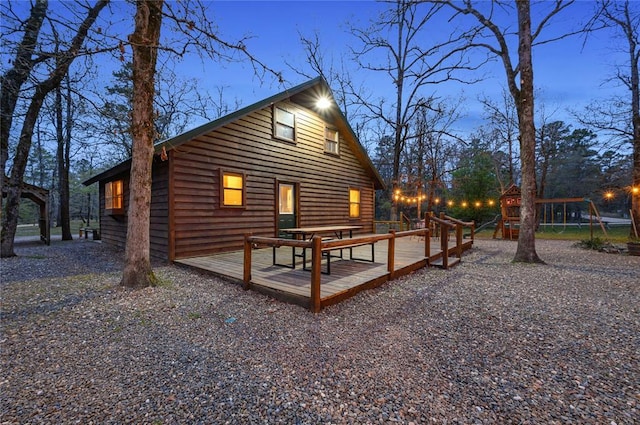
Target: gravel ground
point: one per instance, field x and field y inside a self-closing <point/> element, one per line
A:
<point x="483" y="343"/>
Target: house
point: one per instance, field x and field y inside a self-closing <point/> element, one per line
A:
<point x="282" y="162"/>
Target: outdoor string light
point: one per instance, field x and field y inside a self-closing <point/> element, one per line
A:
<point x="398" y="196"/>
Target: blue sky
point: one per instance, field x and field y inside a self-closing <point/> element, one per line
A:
<point x="567" y="74"/>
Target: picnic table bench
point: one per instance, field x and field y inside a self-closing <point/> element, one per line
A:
<point x="326" y="251"/>
<point x="336" y="232"/>
<point x="95" y="233"/>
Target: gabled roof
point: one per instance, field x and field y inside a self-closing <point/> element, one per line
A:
<point x="304" y="94"/>
<point x="511" y="190"/>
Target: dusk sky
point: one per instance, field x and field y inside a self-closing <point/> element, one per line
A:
<point x="567" y="74"/>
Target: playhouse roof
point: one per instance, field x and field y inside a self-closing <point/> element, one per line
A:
<point x="511" y="191"/>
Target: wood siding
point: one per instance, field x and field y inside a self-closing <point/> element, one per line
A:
<point x="113" y="229"/>
<point x="202" y="227"/>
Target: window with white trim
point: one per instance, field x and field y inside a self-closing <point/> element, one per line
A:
<point x="284" y="124"/>
<point x="331" y="138"/>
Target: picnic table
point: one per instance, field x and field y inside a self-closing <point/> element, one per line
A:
<point x="334" y="232"/>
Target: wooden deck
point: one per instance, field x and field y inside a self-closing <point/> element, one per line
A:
<point x="347" y="278"/>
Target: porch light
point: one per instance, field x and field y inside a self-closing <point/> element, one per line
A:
<point x="323" y="103"/>
<point x="608" y="195"/>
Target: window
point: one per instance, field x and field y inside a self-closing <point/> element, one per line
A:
<point x="232" y="189"/>
<point x="354" y="203"/>
<point x="331" y="140"/>
<point x="284" y="124"/>
<point x="114" y="197"/>
<point x="286" y="199"/>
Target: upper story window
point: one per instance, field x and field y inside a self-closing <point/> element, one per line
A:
<point x="233" y="189"/>
<point x="354" y="203"/>
<point x="284" y="124"/>
<point x="331" y="137"/>
<point x="114" y="197"/>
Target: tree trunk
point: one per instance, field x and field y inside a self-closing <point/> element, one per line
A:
<point x="526" y="251"/>
<point x="14" y="78"/>
<point x="144" y="41"/>
<point x="62" y="156"/>
<point x="635" y="191"/>
<point x="11" y="83"/>
<point x="14" y="186"/>
<point x="634" y="51"/>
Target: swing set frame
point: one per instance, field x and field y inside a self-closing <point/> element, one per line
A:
<point x="509" y="224"/>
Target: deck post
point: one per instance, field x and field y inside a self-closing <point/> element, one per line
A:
<point x="391" y="255"/>
<point x="316" y="264"/>
<point x="444" y="242"/>
<point x="427" y="236"/>
<point x="459" y="240"/>
<point x="246" y="278"/>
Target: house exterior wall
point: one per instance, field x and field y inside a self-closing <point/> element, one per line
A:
<point x="113" y="229"/>
<point x="201" y="227"/>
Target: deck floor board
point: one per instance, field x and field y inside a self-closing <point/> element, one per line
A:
<point x="346" y="274"/>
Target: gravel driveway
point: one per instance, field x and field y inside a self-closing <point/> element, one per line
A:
<point x="483" y="343"/>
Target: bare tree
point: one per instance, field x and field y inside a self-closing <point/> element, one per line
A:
<point x="64" y="125"/>
<point x="144" y="42"/>
<point x="176" y="104"/>
<point x="412" y="65"/>
<point x="431" y="147"/>
<point x="42" y="89"/>
<point x="490" y="37"/>
<point x="13" y="79"/>
<point x="503" y="125"/>
<point x="189" y="20"/>
<point x="550" y="135"/>
<point x="620" y="117"/>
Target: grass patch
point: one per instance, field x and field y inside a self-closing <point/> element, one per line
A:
<point x="615" y="234"/>
<point x="595" y="244"/>
<point x="34" y="230"/>
<point x="162" y="282"/>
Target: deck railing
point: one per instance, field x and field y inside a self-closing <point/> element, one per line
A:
<point x="445" y="224"/>
<point x="316" y="244"/>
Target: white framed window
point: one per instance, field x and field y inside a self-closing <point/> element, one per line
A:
<point x="331" y="138"/>
<point x="354" y="203"/>
<point x="284" y="124"/>
<point x="233" y="189"/>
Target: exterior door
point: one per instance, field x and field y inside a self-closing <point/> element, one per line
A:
<point x="287" y="207"/>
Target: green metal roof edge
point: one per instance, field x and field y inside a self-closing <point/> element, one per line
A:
<point x="212" y="125"/>
<point x="365" y="155"/>
<point x="180" y="139"/>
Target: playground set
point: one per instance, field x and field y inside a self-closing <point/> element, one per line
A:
<point x="508" y="224"/>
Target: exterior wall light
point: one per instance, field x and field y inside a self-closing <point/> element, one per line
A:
<point x="323" y="103"/>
